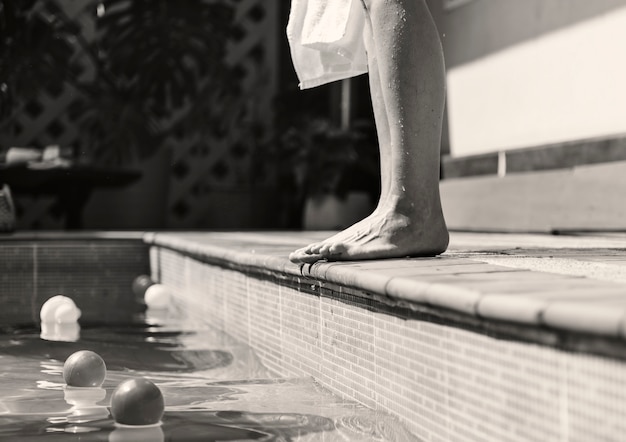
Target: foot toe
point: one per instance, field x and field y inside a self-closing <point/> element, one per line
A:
<point x="315" y="248"/>
<point x="304" y="258"/>
<point x="325" y="249"/>
<point x="298" y="255"/>
<point x="337" y="249"/>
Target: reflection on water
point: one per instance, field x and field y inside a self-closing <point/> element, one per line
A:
<point x="84" y="402"/>
<point x="64" y="332"/>
<point x="152" y="433"/>
<point x="214" y="388"/>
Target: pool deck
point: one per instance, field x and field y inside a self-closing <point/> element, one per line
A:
<point x="571" y="283"/>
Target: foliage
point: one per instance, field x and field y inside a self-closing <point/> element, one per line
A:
<point x="137" y="77"/>
<point x="36" y="51"/>
<point x="312" y="156"/>
<point x="323" y="159"/>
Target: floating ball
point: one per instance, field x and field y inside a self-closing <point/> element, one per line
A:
<point x="137" y="402"/>
<point x="84" y="369"/>
<point x="59" y="309"/>
<point x="141" y="284"/>
<point x="66" y="313"/>
<point x="48" y="309"/>
<point x="158" y="296"/>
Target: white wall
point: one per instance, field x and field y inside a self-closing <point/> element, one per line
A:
<point x="566" y="84"/>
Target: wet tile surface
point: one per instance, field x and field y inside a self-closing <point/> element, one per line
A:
<point x="569" y="282"/>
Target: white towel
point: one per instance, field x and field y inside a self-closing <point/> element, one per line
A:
<point x="326" y="40"/>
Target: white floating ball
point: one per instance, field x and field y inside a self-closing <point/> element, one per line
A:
<point x="158" y="296"/>
<point x="66" y="313"/>
<point x="59" y="309"/>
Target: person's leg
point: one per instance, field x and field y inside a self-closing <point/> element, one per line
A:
<point x="407" y="79"/>
<point x="382" y="130"/>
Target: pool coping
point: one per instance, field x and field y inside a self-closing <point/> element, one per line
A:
<point x="55" y="235"/>
<point x="566" y="290"/>
<point x="545" y="283"/>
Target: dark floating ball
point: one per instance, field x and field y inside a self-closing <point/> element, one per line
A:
<point x="141" y="284"/>
<point x="84" y="369"/>
<point x="137" y="402"/>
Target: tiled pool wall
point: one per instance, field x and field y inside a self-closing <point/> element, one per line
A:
<point x="97" y="274"/>
<point x="445" y="382"/>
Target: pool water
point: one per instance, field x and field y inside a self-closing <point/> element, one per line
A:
<point x="215" y="389"/>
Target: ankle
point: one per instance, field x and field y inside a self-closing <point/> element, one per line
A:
<point x="413" y="206"/>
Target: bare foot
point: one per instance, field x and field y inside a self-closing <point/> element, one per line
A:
<point x="407" y="81"/>
<point x="381" y="235"/>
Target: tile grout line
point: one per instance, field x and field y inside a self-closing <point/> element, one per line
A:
<point x="563" y="399"/>
<point x="33" y="299"/>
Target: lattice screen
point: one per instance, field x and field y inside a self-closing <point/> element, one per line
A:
<point x="220" y="168"/>
<point x="202" y="168"/>
<point x="43" y="122"/>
